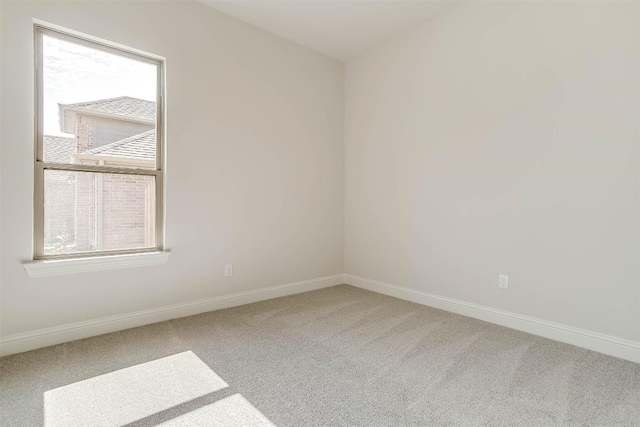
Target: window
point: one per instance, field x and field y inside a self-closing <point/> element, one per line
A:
<point x="99" y="151"/>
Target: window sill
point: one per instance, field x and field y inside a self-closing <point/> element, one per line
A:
<point x="44" y="268"/>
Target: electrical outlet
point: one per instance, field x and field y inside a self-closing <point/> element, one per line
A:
<point x="228" y="270"/>
<point x="503" y="281"/>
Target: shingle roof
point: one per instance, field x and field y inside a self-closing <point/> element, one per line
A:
<point x="58" y="149"/>
<point x="124" y="106"/>
<point x="140" y="146"/>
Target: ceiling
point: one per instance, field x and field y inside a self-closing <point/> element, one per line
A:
<point x="341" y="29"/>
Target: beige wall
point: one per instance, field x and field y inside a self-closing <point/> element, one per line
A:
<point x="255" y="161"/>
<point x="502" y="137"/>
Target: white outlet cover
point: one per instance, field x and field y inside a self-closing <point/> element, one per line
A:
<point x="228" y="270"/>
<point x="503" y="281"/>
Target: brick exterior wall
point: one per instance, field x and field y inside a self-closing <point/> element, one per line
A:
<point x="126" y="212"/>
<point x="114" y="211"/>
<point x="84" y="133"/>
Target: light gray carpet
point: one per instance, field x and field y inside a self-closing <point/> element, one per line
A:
<point x="341" y="356"/>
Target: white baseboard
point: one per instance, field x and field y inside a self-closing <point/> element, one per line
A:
<point x="19" y="343"/>
<point x="617" y="347"/>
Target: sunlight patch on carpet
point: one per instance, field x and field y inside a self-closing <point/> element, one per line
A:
<point x="130" y="394"/>
<point x="232" y="411"/>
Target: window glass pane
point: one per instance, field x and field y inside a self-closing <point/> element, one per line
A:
<point x="98" y="107"/>
<point x="86" y="212"/>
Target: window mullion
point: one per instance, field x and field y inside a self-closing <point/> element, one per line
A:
<point x="79" y="167"/>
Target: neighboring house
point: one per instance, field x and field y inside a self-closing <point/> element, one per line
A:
<point x="100" y="122"/>
<point x="123" y="206"/>
<point x="110" y="211"/>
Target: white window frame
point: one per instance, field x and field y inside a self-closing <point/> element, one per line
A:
<point x="40" y="166"/>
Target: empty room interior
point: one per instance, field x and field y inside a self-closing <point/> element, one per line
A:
<point x="319" y="213"/>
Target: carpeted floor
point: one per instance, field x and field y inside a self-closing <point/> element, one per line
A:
<point x="339" y="356"/>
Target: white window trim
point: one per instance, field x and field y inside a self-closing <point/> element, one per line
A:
<point x="47" y="265"/>
<point x="55" y="267"/>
